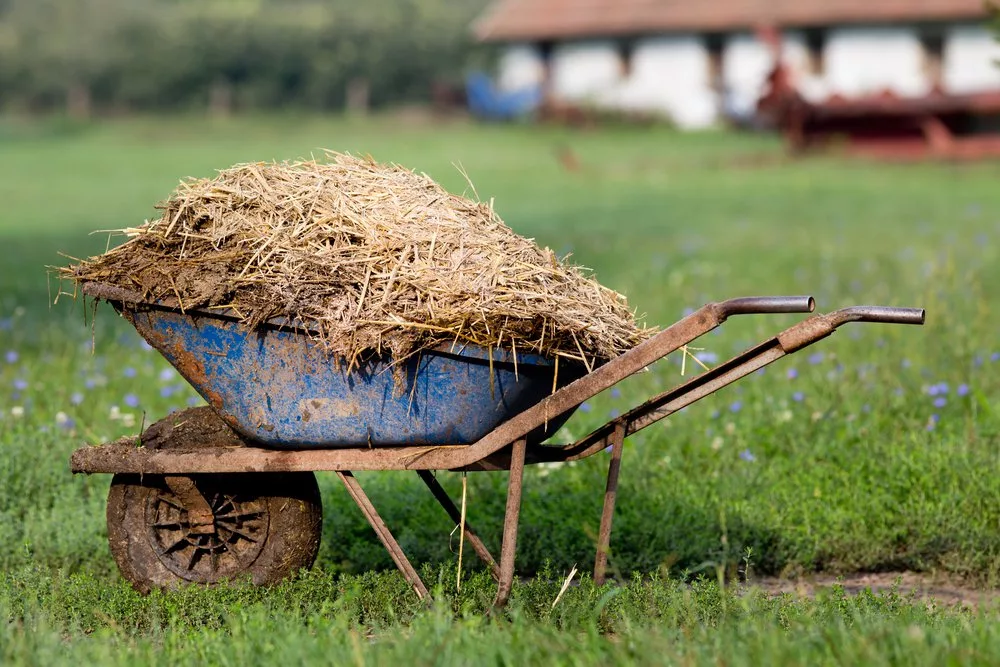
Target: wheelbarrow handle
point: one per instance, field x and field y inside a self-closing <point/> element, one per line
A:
<point x="883" y="314"/>
<point x="760" y="305"/>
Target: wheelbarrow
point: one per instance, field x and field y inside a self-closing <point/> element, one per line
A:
<point x="228" y="490"/>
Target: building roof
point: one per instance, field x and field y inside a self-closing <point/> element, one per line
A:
<point x="512" y="20"/>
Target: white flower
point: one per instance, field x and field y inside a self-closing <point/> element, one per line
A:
<point x="128" y="419"/>
<point x="61" y="418"/>
<point x="114" y="413"/>
<point x="17" y="411"/>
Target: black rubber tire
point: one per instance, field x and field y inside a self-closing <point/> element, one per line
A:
<point x="268" y="527"/>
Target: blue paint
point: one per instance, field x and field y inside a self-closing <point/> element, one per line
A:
<point x="276" y="387"/>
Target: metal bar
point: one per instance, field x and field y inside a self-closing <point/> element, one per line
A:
<point x="453" y="512"/>
<point x="510" y="521"/>
<point x="762" y="305"/>
<point x="386" y="537"/>
<point x="608" y="511"/>
<point x="667" y="403"/>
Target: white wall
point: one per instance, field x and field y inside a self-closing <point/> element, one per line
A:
<point x="869" y="60"/>
<point x="667" y="75"/>
<point x="670" y="75"/>
<point x="521" y="66"/>
<point x="584" y="71"/>
<point x="746" y="62"/>
<point x="970" y="60"/>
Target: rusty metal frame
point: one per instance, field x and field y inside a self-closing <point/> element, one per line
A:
<point x="608" y="510"/>
<point x="384" y="535"/>
<point x="506" y="448"/>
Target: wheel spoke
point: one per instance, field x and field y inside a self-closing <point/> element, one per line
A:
<point x="194" y="556"/>
<point x="176" y="545"/>
<point x="237" y="516"/>
<point x="238" y="533"/>
<point x="168" y="500"/>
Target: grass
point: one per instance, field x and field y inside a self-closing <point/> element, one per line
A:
<point x="875" y="450"/>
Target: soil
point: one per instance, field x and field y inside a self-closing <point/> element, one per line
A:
<point x="939" y="590"/>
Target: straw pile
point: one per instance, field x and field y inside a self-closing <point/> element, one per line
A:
<point x="370" y="257"/>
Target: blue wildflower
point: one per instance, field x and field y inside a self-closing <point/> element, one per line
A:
<point x="584" y="407"/>
<point x="76" y="398"/>
<point x="792" y="373"/>
<point x="129" y="372"/>
<point x="816" y="358"/>
<point x="90" y="383"/>
<point x="131" y="400"/>
<point x="616" y="392"/>
<point x="995" y="356"/>
<point x="166" y="392"/>
<point x="906" y="363"/>
<point x="11" y="356"/>
<point x="20" y="384"/>
<point x="613" y="414"/>
<point x="798" y="397"/>
<point x="736" y="406"/>
<point x="145" y="346"/>
<point x="962" y="390"/>
<point x="193" y="400"/>
<point x="707" y="357"/>
<point x="167" y="374"/>
<point x="715" y="414"/>
<point x="6" y="323"/>
<point x="747" y="456"/>
<point x="940" y="402"/>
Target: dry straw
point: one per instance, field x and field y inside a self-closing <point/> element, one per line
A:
<point x="371" y="257"/>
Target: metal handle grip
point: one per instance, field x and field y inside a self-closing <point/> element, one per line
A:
<point x="884" y="314"/>
<point x="753" y="305"/>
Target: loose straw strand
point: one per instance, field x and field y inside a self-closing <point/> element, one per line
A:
<point x="461" y="533"/>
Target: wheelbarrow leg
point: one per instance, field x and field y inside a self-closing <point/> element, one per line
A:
<point x="510" y="520"/>
<point x="376" y="522"/>
<point x="608" y="512"/>
<point x="453" y="512"/>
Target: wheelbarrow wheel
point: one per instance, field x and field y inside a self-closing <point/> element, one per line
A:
<point x="262" y="526"/>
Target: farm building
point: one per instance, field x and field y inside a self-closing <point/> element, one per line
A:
<point x="700" y="62"/>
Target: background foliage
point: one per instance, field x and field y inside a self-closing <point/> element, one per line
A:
<point x="126" y="55"/>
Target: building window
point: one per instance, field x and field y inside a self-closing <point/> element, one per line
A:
<point x="815" y="39"/>
<point x="714" y="44"/>
<point x="932" y="43"/>
<point x="626" y="53"/>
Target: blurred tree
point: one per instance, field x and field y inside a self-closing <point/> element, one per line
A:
<point x="172" y="54"/>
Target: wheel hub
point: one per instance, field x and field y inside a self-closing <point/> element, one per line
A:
<point x="204" y="552"/>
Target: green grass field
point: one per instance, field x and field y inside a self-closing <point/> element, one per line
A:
<point x="875" y="450"/>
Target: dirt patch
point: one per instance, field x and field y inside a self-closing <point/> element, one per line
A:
<point x="190" y="429"/>
<point x="925" y="587"/>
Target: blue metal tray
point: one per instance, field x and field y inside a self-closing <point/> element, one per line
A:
<point x="275" y="386"/>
